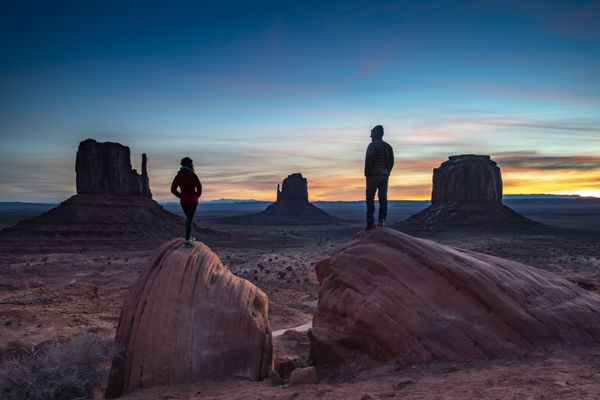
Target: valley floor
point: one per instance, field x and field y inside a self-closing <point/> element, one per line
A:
<point x="56" y="292"/>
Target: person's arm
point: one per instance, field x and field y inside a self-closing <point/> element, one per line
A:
<point x="369" y="159"/>
<point x="391" y="158"/>
<point x="198" y="187"/>
<point x="174" y="187"/>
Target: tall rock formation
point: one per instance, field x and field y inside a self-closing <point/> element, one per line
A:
<point x="387" y="296"/>
<point x="105" y="168"/>
<point x="294" y="187"/>
<point x="187" y="319"/>
<point x="467" y="191"/>
<point x="113" y="201"/>
<point x="467" y="179"/>
<point x="291" y="208"/>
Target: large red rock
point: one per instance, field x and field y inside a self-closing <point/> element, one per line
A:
<point x="188" y="318"/>
<point x="389" y="296"/>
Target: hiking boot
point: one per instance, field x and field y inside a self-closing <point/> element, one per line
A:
<point x="370" y="226"/>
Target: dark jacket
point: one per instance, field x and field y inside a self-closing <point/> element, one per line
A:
<point x="191" y="188"/>
<point x="379" y="159"/>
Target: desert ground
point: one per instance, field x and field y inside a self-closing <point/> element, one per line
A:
<point x="57" y="288"/>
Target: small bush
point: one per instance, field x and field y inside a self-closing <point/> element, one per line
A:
<point x="57" y="371"/>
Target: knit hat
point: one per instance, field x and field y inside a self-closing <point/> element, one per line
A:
<point x="187" y="162"/>
<point x="377" y="131"/>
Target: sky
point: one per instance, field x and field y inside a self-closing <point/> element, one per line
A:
<point x="256" y="90"/>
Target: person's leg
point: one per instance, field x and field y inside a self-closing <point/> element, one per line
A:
<point x="189" y="219"/>
<point x="185" y="212"/>
<point x="370" y="198"/>
<point x="382" y="190"/>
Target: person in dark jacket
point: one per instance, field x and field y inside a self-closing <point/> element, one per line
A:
<point x="190" y="191"/>
<point x="379" y="162"/>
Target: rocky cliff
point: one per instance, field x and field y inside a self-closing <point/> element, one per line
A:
<point x="467" y="178"/>
<point x="467" y="192"/>
<point x="105" y="168"/>
<point x="294" y="187"/>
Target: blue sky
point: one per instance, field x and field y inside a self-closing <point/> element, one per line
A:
<point x="254" y="91"/>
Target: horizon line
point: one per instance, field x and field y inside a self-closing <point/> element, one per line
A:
<point x="233" y="200"/>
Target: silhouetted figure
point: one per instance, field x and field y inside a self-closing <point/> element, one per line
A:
<point x="191" y="190"/>
<point x="379" y="162"/>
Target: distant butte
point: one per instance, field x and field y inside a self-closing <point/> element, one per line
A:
<point x="113" y="201"/>
<point x="467" y="192"/>
<point x="105" y="168"/>
<point x="291" y="207"/>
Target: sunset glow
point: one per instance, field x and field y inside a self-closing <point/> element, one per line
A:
<point x="254" y="92"/>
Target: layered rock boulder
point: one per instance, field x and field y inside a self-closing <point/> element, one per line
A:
<point x="112" y="201"/>
<point x="467" y="191"/>
<point x="186" y="319"/>
<point x="291" y="207"/>
<point x="387" y="296"/>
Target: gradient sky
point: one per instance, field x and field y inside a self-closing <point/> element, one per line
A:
<point x="255" y="90"/>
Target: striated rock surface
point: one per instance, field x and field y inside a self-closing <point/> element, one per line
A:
<point x="105" y="168"/>
<point x="188" y="318"/>
<point x="389" y="296"/>
<point x="467" y="192"/>
<point x="291" y="208"/>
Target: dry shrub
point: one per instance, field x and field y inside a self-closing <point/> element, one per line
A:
<point x="57" y="371"/>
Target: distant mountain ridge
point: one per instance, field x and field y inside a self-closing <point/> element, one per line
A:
<point x="21" y="204"/>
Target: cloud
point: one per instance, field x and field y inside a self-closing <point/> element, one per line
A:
<point x="532" y="160"/>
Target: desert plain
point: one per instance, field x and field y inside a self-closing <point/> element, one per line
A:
<point x="57" y="288"/>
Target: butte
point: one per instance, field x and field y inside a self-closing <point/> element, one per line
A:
<point x="467" y="192"/>
<point x="113" y="202"/>
<point x="291" y="208"/>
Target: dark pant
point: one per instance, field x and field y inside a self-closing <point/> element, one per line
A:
<point x="377" y="184"/>
<point x="189" y="212"/>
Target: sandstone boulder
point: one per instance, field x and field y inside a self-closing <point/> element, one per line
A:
<point x="188" y="318"/>
<point x="389" y="296"/>
<point x="303" y="376"/>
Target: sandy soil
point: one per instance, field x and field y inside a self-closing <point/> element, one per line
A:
<point x="57" y="290"/>
<point x="572" y="373"/>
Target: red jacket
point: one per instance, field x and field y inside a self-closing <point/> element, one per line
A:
<point x="190" y="186"/>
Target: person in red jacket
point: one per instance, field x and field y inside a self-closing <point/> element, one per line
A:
<point x="190" y="191"/>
